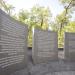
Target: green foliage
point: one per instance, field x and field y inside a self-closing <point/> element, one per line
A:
<point x="65" y="1"/>
<point x="23" y="15"/>
<point x="6" y="7"/>
<point x="62" y="21"/>
<point x="40" y="17"/>
<point x="37" y="17"/>
<point x="70" y="27"/>
<point x="68" y="4"/>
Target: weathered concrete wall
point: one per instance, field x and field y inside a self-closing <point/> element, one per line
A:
<point x="13" y="44"/>
<point x="69" y="46"/>
<point x="45" y="46"/>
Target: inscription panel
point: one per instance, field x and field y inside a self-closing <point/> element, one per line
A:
<point x="13" y="45"/>
<point x="45" y="46"/>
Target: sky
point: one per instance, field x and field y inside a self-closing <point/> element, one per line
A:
<point x="54" y="5"/>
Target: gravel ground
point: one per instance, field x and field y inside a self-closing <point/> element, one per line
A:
<point x="59" y="67"/>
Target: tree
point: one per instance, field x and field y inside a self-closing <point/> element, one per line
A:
<point x="63" y="19"/>
<point x="70" y="27"/>
<point x="37" y="17"/>
<point x="71" y="3"/>
<point x="56" y="26"/>
<point x="6" y="7"/>
<point x="23" y="15"/>
<point x="41" y="16"/>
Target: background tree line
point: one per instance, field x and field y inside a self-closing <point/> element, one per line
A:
<point x="41" y="17"/>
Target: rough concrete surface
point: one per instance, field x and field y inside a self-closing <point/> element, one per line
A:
<point x="59" y="67"/>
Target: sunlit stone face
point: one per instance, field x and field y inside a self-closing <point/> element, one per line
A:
<point x="45" y="45"/>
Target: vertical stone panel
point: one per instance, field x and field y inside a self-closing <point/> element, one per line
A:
<point x="69" y="46"/>
<point x="13" y="44"/>
<point x="45" y="46"/>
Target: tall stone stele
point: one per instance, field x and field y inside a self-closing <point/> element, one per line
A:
<point x="13" y="44"/>
<point x="45" y="46"/>
<point x="69" y="46"/>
